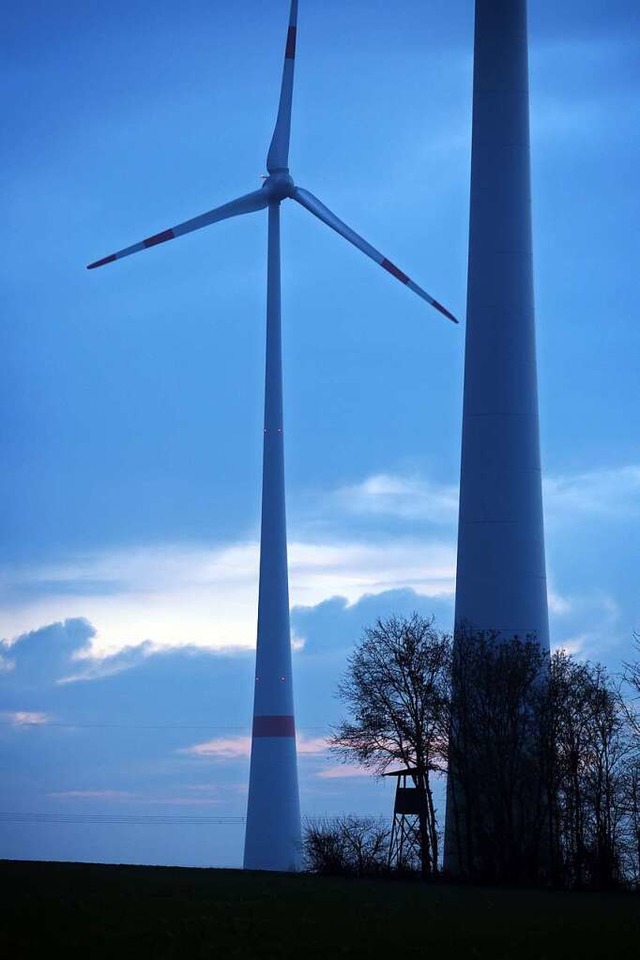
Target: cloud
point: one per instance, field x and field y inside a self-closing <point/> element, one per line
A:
<point x="591" y="625"/>
<point x="171" y="593"/>
<point x="90" y="667"/>
<point x="174" y="595"/>
<point x="613" y="492"/>
<point x="356" y="569"/>
<point x="558" y="604"/>
<point x="312" y="746"/>
<point x="26" y="718"/>
<point x="332" y="627"/>
<point x="235" y="748"/>
<point x="221" y="748"/>
<point x="572" y="645"/>
<point x="343" y="772"/>
<point x="62" y="653"/>
<point x="44" y="654"/>
<point x="387" y="532"/>
<point x="610" y="494"/>
<point x="405" y="498"/>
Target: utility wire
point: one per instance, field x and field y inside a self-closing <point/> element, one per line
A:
<point x="135" y="726"/>
<point x="136" y="819"/>
<point x="132" y="818"/>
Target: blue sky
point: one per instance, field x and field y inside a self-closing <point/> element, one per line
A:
<point x="132" y="396"/>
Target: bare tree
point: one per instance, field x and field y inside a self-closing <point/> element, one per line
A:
<point x="630" y="830"/>
<point x="632" y="679"/>
<point x="631" y="851"/>
<point x="542" y="753"/>
<point x="498" y="757"/>
<point x="591" y="786"/>
<point x="396" y="690"/>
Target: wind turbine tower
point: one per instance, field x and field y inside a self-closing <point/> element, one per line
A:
<point x="500" y="580"/>
<point x="272" y="839"/>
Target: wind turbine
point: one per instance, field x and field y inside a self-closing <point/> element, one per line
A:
<point x="501" y="576"/>
<point x="272" y="840"/>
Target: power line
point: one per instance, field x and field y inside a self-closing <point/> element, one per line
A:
<point x="43" y="724"/>
<point x="124" y="818"/>
<point x="134" y="819"/>
<point x="118" y="726"/>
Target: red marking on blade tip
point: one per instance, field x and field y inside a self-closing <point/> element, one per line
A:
<point x="158" y="238"/>
<point x="101" y="263"/>
<point x="290" y="51"/>
<point x="444" y="310"/>
<point x="391" y="267"/>
<point x="274" y="726"/>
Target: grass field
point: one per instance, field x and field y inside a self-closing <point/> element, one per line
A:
<point x="97" y="911"/>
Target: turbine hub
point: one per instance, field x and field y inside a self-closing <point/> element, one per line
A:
<point x="279" y="185"/>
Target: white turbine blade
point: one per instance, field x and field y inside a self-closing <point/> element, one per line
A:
<point x="251" y="202"/>
<point x="278" y="156"/>
<point x="323" y="213"/>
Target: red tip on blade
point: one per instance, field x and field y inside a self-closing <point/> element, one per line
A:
<point x="101" y="263"/>
<point x="394" y="271"/>
<point x="290" y="51"/>
<point x="159" y="238"/>
<point x="443" y="310"/>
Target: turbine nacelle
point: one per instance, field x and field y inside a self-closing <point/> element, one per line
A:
<point x="279" y="185"/>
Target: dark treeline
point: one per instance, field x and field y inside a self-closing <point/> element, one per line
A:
<point x="543" y="751"/>
<point x="546" y="762"/>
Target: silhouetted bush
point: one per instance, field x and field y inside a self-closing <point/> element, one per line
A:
<point x="346" y="846"/>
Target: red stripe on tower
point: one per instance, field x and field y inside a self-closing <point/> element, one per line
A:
<point x="290" y="51"/>
<point x="101" y="263"/>
<point x="274" y="726"/>
<point x="391" y="267"/>
<point x="159" y="238"/>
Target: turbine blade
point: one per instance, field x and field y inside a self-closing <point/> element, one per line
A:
<point x="246" y="204"/>
<point x="278" y="156"/>
<point x="323" y="213"/>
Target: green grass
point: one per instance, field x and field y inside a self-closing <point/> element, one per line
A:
<point x="99" y="911"/>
